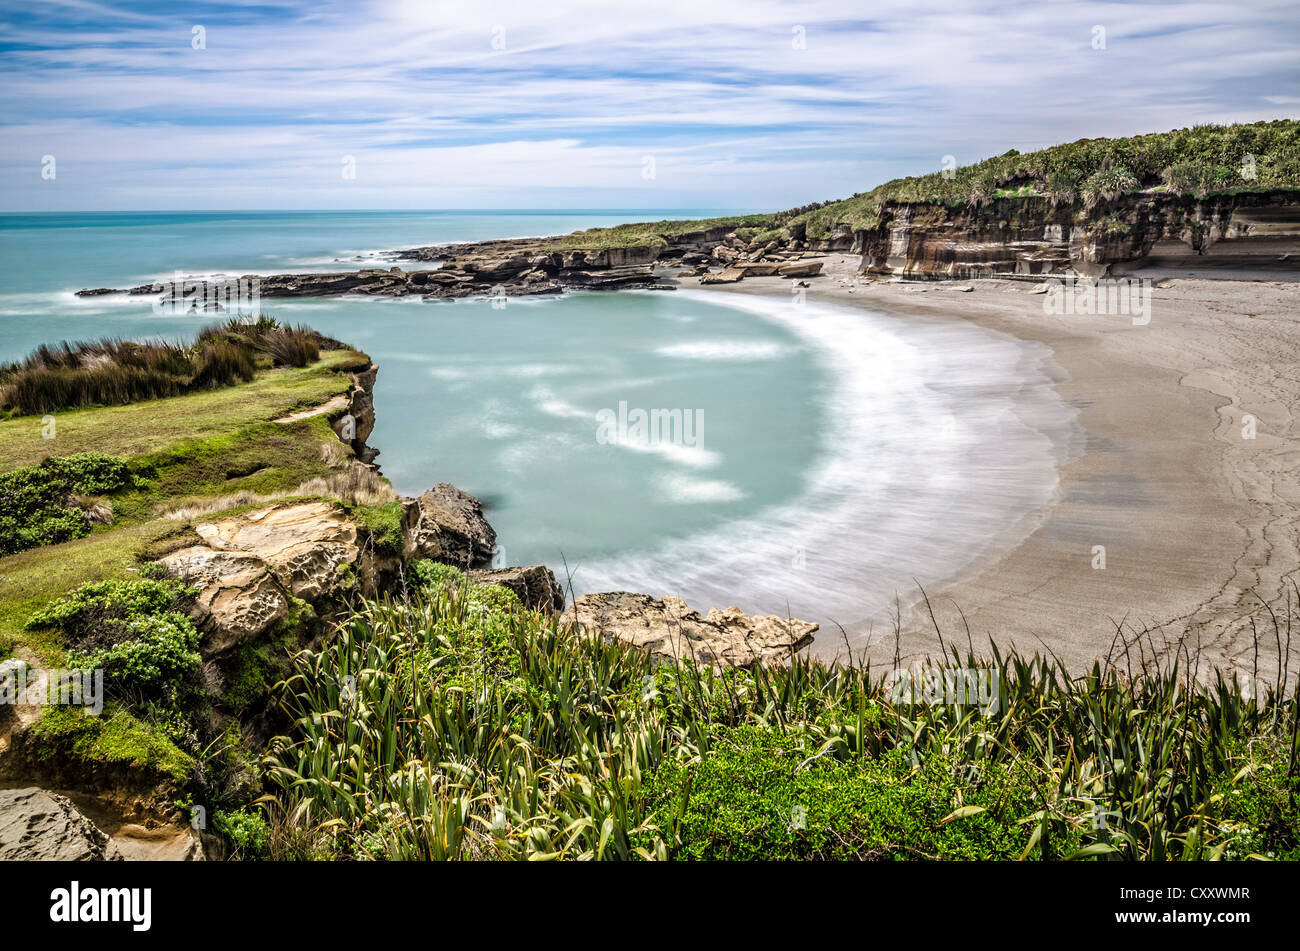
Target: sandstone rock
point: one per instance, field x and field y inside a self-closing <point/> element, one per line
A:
<point x="239" y="598"/>
<point x="608" y="278"/>
<point x="447" y="525"/>
<point x="669" y="630"/>
<point x="36" y="825"/>
<point x="305" y="544"/>
<point x="801" y="269"/>
<point x="757" y="269"/>
<point x="248" y="565"/>
<point x="727" y="276"/>
<point x="535" y="585"/>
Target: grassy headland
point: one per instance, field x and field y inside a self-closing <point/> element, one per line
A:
<point x="1196" y="162"/>
<point x="101" y="491"/>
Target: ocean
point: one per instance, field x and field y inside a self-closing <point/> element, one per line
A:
<point x="723" y="448"/>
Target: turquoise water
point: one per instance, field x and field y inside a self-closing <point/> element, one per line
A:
<point x="834" y="456"/>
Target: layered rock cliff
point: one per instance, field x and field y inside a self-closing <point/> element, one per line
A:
<point x="1030" y="237"/>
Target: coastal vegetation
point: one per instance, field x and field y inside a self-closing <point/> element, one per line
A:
<point x="115" y="372"/>
<point x="92" y="502"/>
<point x="650" y="233"/>
<point x="1197" y="162"/>
<point x="444" y="719"/>
<point x="453" y="723"/>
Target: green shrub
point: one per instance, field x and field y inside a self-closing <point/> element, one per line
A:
<point x="434" y="574"/>
<point x="37" y="504"/>
<point x="248" y="833"/>
<point x="384" y="523"/>
<point x="99" y="614"/>
<point x="156" y="654"/>
<point x="136" y="631"/>
<point x="760" y="795"/>
<point x="1107" y="184"/>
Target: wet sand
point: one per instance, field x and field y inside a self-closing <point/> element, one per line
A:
<point x="1200" y="525"/>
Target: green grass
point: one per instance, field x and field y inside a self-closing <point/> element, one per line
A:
<point x="181" y="450"/>
<point x="30" y="580"/>
<point x="446" y="727"/>
<point x="647" y="234"/>
<point x="384" y="522"/>
<point x="115" y="737"/>
<point x="142" y="428"/>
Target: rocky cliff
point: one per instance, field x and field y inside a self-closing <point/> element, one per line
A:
<point x="1032" y="238"/>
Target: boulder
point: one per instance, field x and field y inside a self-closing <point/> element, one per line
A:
<point x="800" y="269"/>
<point x="447" y="525"/>
<point x="247" y="566"/>
<point x="239" y="597"/>
<point x="726" y="276"/>
<point x="535" y="585"/>
<point x="670" y="630"/>
<point x="757" y="268"/>
<point x="36" y="825"/>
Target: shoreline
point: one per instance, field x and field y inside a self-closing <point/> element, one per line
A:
<point x="1194" y="519"/>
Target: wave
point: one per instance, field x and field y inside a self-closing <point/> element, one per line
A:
<point x="685" y="490"/>
<point x="724" y="350"/>
<point x="942" y="445"/>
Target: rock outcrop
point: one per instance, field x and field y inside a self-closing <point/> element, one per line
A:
<point x="535" y="585"/>
<point x="1030" y="237"/>
<point x="36" y="825"/>
<point x="248" y="567"/>
<point x="516" y="267"/>
<point x="671" y="631"/>
<point x="354" y="421"/>
<point x="447" y="525"/>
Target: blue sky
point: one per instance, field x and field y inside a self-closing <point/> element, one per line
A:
<point x="720" y="104"/>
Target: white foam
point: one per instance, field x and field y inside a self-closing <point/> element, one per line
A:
<point x="545" y="400"/>
<point x="685" y="490"/>
<point x="941" y="444"/>
<point x="724" y="350"/>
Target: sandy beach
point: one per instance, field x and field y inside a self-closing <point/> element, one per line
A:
<point x="1199" y="522"/>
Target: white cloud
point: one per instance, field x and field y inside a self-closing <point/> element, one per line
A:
<point x="733" y="113"/>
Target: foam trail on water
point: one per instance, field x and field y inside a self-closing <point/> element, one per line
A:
<point x="941" y="447"/>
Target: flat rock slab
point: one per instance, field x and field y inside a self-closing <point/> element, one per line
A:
<point x="670" y="630"/>
<point x="801" y="269"/>
<point x="36" y="825"/>
<point x="248" y="565"/>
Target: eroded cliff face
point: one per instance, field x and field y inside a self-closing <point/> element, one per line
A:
<point x="1030" y="237"/>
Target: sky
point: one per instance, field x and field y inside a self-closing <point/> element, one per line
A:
<point x="675" y="104"/>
